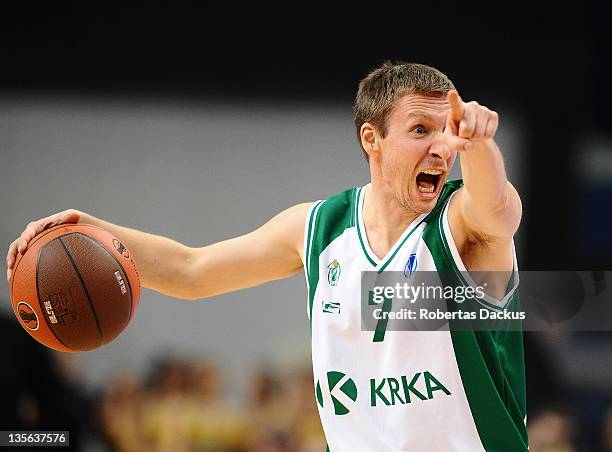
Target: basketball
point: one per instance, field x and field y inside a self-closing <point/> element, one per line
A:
<point x="76" y="288"/>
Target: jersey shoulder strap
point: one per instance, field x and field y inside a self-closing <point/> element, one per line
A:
<point x="326" y="220"/>
<point x="448" y="189"/>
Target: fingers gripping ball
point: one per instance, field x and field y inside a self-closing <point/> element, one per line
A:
<point x="76" y="288"/>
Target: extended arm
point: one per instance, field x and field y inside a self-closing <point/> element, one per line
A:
<point x="271" y="252"/>
<point x="486" y="212"/>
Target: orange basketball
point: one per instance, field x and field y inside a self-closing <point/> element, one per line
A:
<point x="76" y="288"/>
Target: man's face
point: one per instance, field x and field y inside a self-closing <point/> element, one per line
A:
<point x="414" y="161"/>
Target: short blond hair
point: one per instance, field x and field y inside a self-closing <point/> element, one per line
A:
<point x="379" y="91"/>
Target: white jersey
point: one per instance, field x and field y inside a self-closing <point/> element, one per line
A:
<point x="387" y="390"/>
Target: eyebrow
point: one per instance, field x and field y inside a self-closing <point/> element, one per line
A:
<point x="418" y="113"/>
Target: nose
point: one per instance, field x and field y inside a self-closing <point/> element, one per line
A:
<point x="439" y="149"/>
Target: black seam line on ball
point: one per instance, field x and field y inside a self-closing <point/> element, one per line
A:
<point x="126" y="279"/>
<point x="93" y="310"/>
<point x="40" y="301"/>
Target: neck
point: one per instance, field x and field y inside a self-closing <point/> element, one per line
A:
<point x="385" y="219"/>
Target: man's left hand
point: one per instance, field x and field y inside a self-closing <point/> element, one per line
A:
<point x="468" y="123"/>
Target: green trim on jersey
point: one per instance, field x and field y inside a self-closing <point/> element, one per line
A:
<point x="399" y="245"/>
<point x="491" y="363"/>
<point x="313" y="214"/>
<point x="460" y="274"/>
<point x="333" y="217"/>
<point x="381" y="265"/>
<point x="356" y="215"/>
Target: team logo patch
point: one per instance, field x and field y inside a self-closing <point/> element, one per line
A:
<point x="411" y="265"/>
<point x="342" y="390"/>
<point x="331" y="307"/>
<point x="333" y="273"/>
<point x="27" y="315"/>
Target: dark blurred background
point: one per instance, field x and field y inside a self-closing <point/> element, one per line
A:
<point x="199" y="125"/>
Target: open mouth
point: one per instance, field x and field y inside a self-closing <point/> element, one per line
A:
<point x="428" y="181"/>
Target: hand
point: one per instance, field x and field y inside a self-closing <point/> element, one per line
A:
<point x="20" y="245"/>
<point x="468" y="123"/>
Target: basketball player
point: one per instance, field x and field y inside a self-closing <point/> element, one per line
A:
<point x="387" y="390"/>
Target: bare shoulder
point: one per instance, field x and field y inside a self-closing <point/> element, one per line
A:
<point x="479" y="250"/>
<point x="299" y="211"/>
<point x="287" y="226"/>
<point x="293" y="217"/>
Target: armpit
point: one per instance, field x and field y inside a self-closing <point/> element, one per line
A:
<point x="481" y="252"/>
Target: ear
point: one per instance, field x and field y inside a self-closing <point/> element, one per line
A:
<point x="370" y="139"/>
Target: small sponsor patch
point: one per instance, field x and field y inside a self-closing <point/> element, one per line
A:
<point x="331" y="307"/>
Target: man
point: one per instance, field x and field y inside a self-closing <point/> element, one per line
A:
<point x="382" y="390"/>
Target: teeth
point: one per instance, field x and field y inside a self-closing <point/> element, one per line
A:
<point x="433" y="172"/>
<point x="426" y="190"/>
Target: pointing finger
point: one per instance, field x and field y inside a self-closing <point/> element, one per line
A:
<point x="456" y="105"/>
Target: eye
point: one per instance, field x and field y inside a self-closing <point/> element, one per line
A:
<point x="419" y="129"/>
